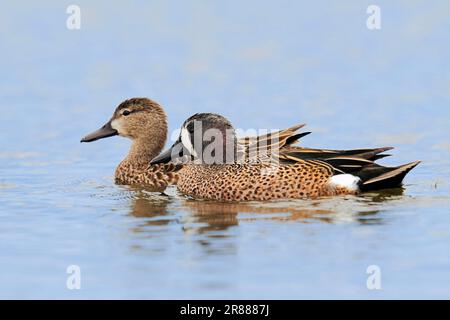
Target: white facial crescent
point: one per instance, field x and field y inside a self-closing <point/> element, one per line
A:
<point x="186" y="141"/>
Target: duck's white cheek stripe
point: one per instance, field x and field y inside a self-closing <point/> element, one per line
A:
<point x="116" y="125"/>
<point x="186" y="141"/>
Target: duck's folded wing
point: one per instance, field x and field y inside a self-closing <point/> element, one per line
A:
<point x="278" y="147"/>
<point x="263" y="145"/>
<point x="276" y="138"/>
<point x="282" y="142"/>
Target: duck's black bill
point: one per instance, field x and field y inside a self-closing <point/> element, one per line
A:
<point x="164" y="157"/>
<point x="175" y="152"/>
<point x="104" y="132"/>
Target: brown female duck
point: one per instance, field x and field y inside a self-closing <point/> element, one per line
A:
<point x="145" y="123"/>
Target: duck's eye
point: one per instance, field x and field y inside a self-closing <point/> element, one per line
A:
<point x="126" y="112"/>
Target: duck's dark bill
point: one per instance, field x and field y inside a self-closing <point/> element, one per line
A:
<point x="164" y="157"/>
<point x="174" y="153"/>
<point x="104" y="132"/>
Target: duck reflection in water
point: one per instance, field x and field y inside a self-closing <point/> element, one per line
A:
<point x="214" y="218"/>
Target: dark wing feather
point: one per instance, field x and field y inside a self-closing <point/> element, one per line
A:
<point x="358" y="162"/>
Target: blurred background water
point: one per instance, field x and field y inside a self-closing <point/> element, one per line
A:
<point x="263" y="64"/>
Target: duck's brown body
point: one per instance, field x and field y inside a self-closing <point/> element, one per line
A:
<point x="155" y="177"/>
<point x="244" y="182"/>
<point x="304" y="179"/>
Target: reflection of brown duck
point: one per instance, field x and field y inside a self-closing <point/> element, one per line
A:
<point x="216" y="216"/>
<point x="225" y="214"/>
<point x="212" y="218"/>
<point x="146" y="205"/>
<point x="221" y="215"/>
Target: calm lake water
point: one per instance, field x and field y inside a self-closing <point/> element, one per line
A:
<point x="263" y="65"/>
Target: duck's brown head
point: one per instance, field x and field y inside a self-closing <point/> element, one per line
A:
<point x="137" y="119"/>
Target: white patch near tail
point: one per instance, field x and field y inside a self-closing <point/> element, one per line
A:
<point x="346" y="180"/>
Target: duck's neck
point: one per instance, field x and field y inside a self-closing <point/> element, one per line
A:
<point x="143" y="150"/>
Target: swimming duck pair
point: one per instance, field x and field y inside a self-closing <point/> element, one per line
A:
<point x="208" y="162"/>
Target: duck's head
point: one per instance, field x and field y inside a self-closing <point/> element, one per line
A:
<point x="206" y="138"/>
<point x="136" y="118"/>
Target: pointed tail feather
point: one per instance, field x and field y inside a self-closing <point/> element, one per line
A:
<point x="326" y="154"/>
<point x="294" y="139"/>
<point x="378" y="177"/>
<point x="373" y="154"/>
<point x="380" y="156"/>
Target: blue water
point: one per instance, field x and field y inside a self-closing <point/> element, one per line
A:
<point x="263" y="64"/>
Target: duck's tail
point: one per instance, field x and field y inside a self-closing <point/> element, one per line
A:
<point x="357" y="163"/>
<point x="374" y="177"/>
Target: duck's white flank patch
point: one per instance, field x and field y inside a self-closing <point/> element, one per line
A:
<point x="347" y="181"/>
<point x="186" y="141"/>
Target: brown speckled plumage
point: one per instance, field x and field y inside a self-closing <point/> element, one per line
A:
<point x="155" y="177"/>
<point x="250" y="181"/>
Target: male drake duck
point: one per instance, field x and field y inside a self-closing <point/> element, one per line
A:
<point x="218" y="168"/>
<point x="145" y="123"/>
